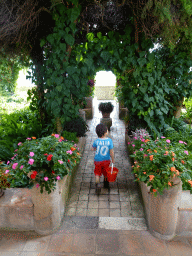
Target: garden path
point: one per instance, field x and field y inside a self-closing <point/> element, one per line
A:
<point x="122" y="199"/>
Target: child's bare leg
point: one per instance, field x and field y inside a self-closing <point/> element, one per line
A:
<point x="97" y="179"/>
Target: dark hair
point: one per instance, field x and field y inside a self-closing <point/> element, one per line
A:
<point x="101" y="129"/>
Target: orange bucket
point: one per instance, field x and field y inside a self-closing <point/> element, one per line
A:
<point x="112" y="173"/>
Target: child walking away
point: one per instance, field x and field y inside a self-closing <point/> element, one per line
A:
<point x="104" y="150"/>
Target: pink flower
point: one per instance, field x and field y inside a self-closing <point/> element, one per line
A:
<point x="31" y="161"/>
<point x="46" y="178"/>
<point x="143" y="140"/>
<point x="28" y="139"/>
<point x="78" y="149"/>
<point x="12" y="158"/>
<point x="129" y="143"/>
<point x="133" y="145"/>
<point x="135" y="138"/>
<point x="186" y="152"/>
<point x="16" y="150"/>
<point x="180" y="141"/>
<point x="60" y="140"/>
<point x="15" y="155"/>
<point x="162" y="137"/>
<point x="31" y="154"/>
<point x="75" y="145"/>
<point x="14" y="165"/>
<point x="56" y="135"/>
<point x="185" y="143"/>
<point x="145" y="155"/>
<point x="58" y="178"/>
<point x="6" y="171"/>
<point x="61" y="162"/>
<point x="69" y="152"/>
<point x="19" y="143"/>
<point x="168" y="141"/>
<point x="8" y="162"/>
<point x="37" y="185"/>
<point x="141" y="149"/>
<point x="21" y="167"/>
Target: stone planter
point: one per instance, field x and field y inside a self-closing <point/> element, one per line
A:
<point x="1" y="192"/>
<point x="107" y="122"/>
<point x="24" y="209"/>
<point x="89" y="101"/>
<point x="162" y="210"/>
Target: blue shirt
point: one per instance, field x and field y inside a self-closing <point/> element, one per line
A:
<point x="103" y="149"/>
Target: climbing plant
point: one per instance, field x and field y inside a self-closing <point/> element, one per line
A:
<point x="151" y="83"/>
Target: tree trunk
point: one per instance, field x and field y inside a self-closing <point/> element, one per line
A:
<point x="177" y="113"/>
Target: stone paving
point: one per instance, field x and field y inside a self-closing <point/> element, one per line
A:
<point x="122" y="199"/>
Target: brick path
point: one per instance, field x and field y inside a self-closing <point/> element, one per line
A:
<point x="122" y="199"/>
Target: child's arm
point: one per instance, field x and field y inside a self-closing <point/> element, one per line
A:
<point x="112" y="155"/>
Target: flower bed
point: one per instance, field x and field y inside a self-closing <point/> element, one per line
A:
<point x="159" y="166"/>
<point x="41" y="203"/>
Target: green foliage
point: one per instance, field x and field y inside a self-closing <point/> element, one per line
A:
<point x="9" y="71"/>
<point x="157" y="162"/>
<point x="42" y="162"/>
<point x="71" y="136"/>
<point x="16" y="127"/>
<point x="77" y="125"/>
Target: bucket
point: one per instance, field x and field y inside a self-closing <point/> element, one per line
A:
<point x="112" y="173"/>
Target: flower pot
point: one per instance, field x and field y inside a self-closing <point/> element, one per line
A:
<point x="162" y="210"/>
<point x="107" y="122"/>
<point x="105" y="115"/>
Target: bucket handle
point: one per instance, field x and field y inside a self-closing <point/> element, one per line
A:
<point x="112" y="168"/>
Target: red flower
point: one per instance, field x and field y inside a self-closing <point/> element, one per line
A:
<point x="68" y="161"/>
<point x="53" y="172"/>
<point x="46" y="154"/>
<point x="33" y="175"/>
<point x="49" y="157"/>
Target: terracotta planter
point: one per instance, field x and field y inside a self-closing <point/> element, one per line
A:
<point x="162" y="210"/>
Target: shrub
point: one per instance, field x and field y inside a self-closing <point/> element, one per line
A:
<point x="42" y="162"/>
<point x="106" y="107"/>
<point x="77" y="125"/>
<point x="70" y="136"/>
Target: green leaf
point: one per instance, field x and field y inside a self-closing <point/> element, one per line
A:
<point x="143" y="89"/>
<point x="84" y="70"/>
<point x="90" y="37"/>
<point x="75" y="13"/>
<point x="42" y="42"/>
<point x="50" y="38"/>
<point x="151" y="80"/>
<point x="70" y="70"/>
<point x="99" y="35"/>
<point x="69" y="39"/>
<point x="63" y="46"/>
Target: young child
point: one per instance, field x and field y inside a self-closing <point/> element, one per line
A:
<point x="104" y="149"/>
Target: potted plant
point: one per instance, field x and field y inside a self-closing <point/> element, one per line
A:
<point x="42" y="162"/>
<point x="106" y="108"/>
<point x="161" y="167"/>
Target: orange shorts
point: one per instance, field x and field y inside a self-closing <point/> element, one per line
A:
<point x="100" y="167"/>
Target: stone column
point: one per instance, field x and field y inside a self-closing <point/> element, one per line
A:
<point x="47" y="212"/>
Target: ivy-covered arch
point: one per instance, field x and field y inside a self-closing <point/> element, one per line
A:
<point x="150" y="83"/>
